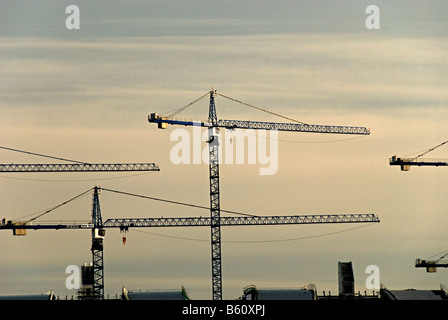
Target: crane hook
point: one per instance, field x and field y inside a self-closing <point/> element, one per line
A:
<point x="124" y="230"/>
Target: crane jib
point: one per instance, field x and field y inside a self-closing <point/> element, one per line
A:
<point x="240" y="124"/>
<point x="198" y="221"/>
<point x="78" y="167"/>
<point x="298" y="127"/>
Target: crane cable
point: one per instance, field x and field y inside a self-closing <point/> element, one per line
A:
<point x="41" y="155"/>
<point x="129" y="194"/>
<point x="307" y="142"/>
<point x="176" y="111"/>
<point x="438" y="254"/>
<point x="57" y="206"/>
<point x="175" y="202"/>
<point x="264" y="110"/>
<point x="256" y="241"/>
<point x="429" y="150"/>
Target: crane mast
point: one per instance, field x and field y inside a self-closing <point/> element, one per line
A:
<point x="215" y="211"/>
<point x="98" y="234"/>
<point x="96" y="225"/>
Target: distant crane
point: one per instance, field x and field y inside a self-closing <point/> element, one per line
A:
<point x="431" y="265"/>
<point x="98" y="228"/>
<point x="405" y="164"/>
<point x="213" y="125"/>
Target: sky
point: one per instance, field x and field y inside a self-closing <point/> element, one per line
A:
<point x="85" y="94"/>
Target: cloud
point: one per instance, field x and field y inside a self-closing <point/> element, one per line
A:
<point x="295" y="72"/>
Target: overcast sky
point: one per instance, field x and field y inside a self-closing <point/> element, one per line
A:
<point x="85" y="95"/>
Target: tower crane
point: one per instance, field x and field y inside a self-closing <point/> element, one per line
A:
<point x="213" y="125"/>
<point x="431" y="265"/>
<point x="97" y="226"/>
<point x="405" y="164"/>
<point x="97" y="231"/>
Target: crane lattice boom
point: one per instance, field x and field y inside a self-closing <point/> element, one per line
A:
<point x="240" y="124"/>
<point x="406" y="163"/>
<point x="78" y="167"/>
<point x="241" y="221"/>
<point x="197" y="221"/>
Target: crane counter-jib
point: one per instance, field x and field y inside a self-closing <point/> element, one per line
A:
<point x="20" y="228"/>
<point x="12" y="225"/>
